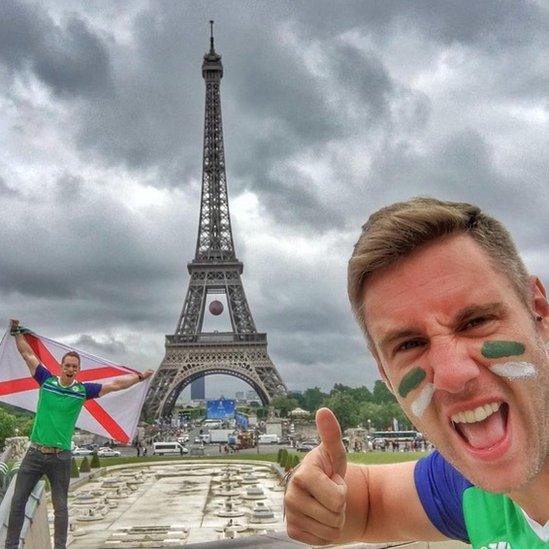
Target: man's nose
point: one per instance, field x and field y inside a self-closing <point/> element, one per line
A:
<point x="453" y="366"/>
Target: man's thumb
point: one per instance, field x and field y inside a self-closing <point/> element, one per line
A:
<point x="330" y="436"/>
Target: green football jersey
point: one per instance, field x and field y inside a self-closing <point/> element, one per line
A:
<point x="495" y="521"/>
<point x="463" y="511"/>
<point x="58" y="409"/>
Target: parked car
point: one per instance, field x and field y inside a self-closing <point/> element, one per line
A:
<point x="107" y="452"/>
<point x="92" y="447"/>
<point x="306" y="446"/>
<point x="81" y="451"/>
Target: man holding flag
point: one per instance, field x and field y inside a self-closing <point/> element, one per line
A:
<point x="60" y="401"/>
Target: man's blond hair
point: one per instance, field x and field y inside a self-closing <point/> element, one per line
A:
<point x="395" y="231"/>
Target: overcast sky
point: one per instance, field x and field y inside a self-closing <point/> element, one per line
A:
<point x="330" y="111"/>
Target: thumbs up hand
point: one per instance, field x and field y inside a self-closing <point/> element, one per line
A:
<point x="315" y="498"/>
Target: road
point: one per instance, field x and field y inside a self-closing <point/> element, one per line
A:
<point x="209" y="449"/>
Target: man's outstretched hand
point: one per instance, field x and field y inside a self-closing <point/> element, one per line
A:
<point x="14" y="326"/>
<point x="315" y="498"/>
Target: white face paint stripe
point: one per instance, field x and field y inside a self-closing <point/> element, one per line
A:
<point x="420" y="404"/>
<point x="509" y="370"/>
<point x="514" y="370"/>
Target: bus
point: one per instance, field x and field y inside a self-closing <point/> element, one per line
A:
<point x="397" y="436"/>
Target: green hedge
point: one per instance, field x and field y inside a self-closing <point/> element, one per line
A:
<point x="95" y="463"/>
<point x="85" y="466"/>
<point x="74" y="469"/>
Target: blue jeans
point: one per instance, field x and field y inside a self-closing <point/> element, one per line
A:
<point x="57" y="467"/>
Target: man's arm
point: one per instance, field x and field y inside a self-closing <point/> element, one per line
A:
<point x="23" y="347"/>
<point x="124" y="382"/>
<point x="329" y="502"/>
<point x="395" y="511"/>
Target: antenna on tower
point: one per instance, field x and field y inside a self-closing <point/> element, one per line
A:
<point x="211" y="35"/>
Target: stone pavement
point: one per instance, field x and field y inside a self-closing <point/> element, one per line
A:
<point x="186" y="503"/>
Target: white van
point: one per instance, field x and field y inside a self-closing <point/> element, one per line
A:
<point x="169" y="448"/>
<point x="212" y="424"/>
<point x="268" y="439"/>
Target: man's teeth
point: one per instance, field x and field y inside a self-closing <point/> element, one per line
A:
<point x="478" y="414"/>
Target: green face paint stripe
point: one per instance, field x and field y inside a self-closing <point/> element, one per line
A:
<point x="498" y="349"/>
<point x="410" y="381"/>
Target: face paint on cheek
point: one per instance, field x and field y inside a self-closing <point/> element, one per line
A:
<point x="514" y="370"/>
<point x="498" y="349"/>
<point x="420" y="404"/>
<point x="411" y="381"/>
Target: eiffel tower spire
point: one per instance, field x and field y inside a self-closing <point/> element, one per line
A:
<point x="191" y="353"/>
<point x="215" y="239"/>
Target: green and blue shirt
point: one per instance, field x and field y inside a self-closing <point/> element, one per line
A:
<point x="58" y="408"/>
<point x="462" y="511"/>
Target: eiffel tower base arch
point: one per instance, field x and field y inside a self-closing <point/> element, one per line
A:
<point x="185" y="362"/>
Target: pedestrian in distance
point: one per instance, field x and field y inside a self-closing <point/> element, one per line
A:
<point x="460" y="332"/>
<point x="59" y="403"/>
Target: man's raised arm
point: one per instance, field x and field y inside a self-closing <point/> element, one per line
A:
<point x="124" y="382"/>
<point x="22" y="346"/>
<point x="328" y="501"/>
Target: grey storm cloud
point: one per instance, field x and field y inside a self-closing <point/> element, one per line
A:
<point x="330" y="110"/>
<point x="70" y="59"/>
<point x="110" y="347"/>
<point x="490" y="23"/>
<point x="6" y="190"/>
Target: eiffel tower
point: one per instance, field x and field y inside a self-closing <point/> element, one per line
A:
<point x="190" y="352"/>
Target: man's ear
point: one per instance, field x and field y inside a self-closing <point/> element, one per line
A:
<point x="538" y="303"/>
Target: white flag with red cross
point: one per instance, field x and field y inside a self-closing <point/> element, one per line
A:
<point x="114" y="415"/>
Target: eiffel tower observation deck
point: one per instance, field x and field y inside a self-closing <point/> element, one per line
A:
<point x="192" y="353"/>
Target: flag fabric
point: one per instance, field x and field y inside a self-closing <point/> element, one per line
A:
<point x="114" y="415"/>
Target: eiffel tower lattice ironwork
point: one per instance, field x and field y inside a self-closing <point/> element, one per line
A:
<point x="190" y="352"/>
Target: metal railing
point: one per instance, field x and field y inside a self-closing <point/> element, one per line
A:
<point x="223" y="338"/>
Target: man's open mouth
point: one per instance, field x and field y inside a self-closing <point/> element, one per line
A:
<point x="482" y="427"/>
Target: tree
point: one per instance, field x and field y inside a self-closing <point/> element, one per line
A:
<point x="288" y="461"/>
<point x="340" y="388"/>
<point x="381" y="394"/>
<point x="361" y="394"/>
<point x="85" y="465"/>
<point x="298" y="397"/>
<point x="345" y="408"/>
<point x="262" y="412"/>
<point x="95" y="463"/>
<point x="8" y="423"/>
<point x="313" y="399"/>
<point x="74" y="469"/>
<point x="371" y="415"/>
<point x="24" y="425"/>
<point x="284" y="405"/>
<point x="396" y="412"/>
<point x="381" y="416"/>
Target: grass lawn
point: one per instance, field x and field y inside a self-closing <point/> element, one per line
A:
<point x="105" y="462"/>
<point x="372" y="458"/>
<point x="368" y="458"/>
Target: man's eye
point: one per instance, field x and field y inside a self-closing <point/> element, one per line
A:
<point x="407" y="345"/>
<point x="473" y="323"/>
